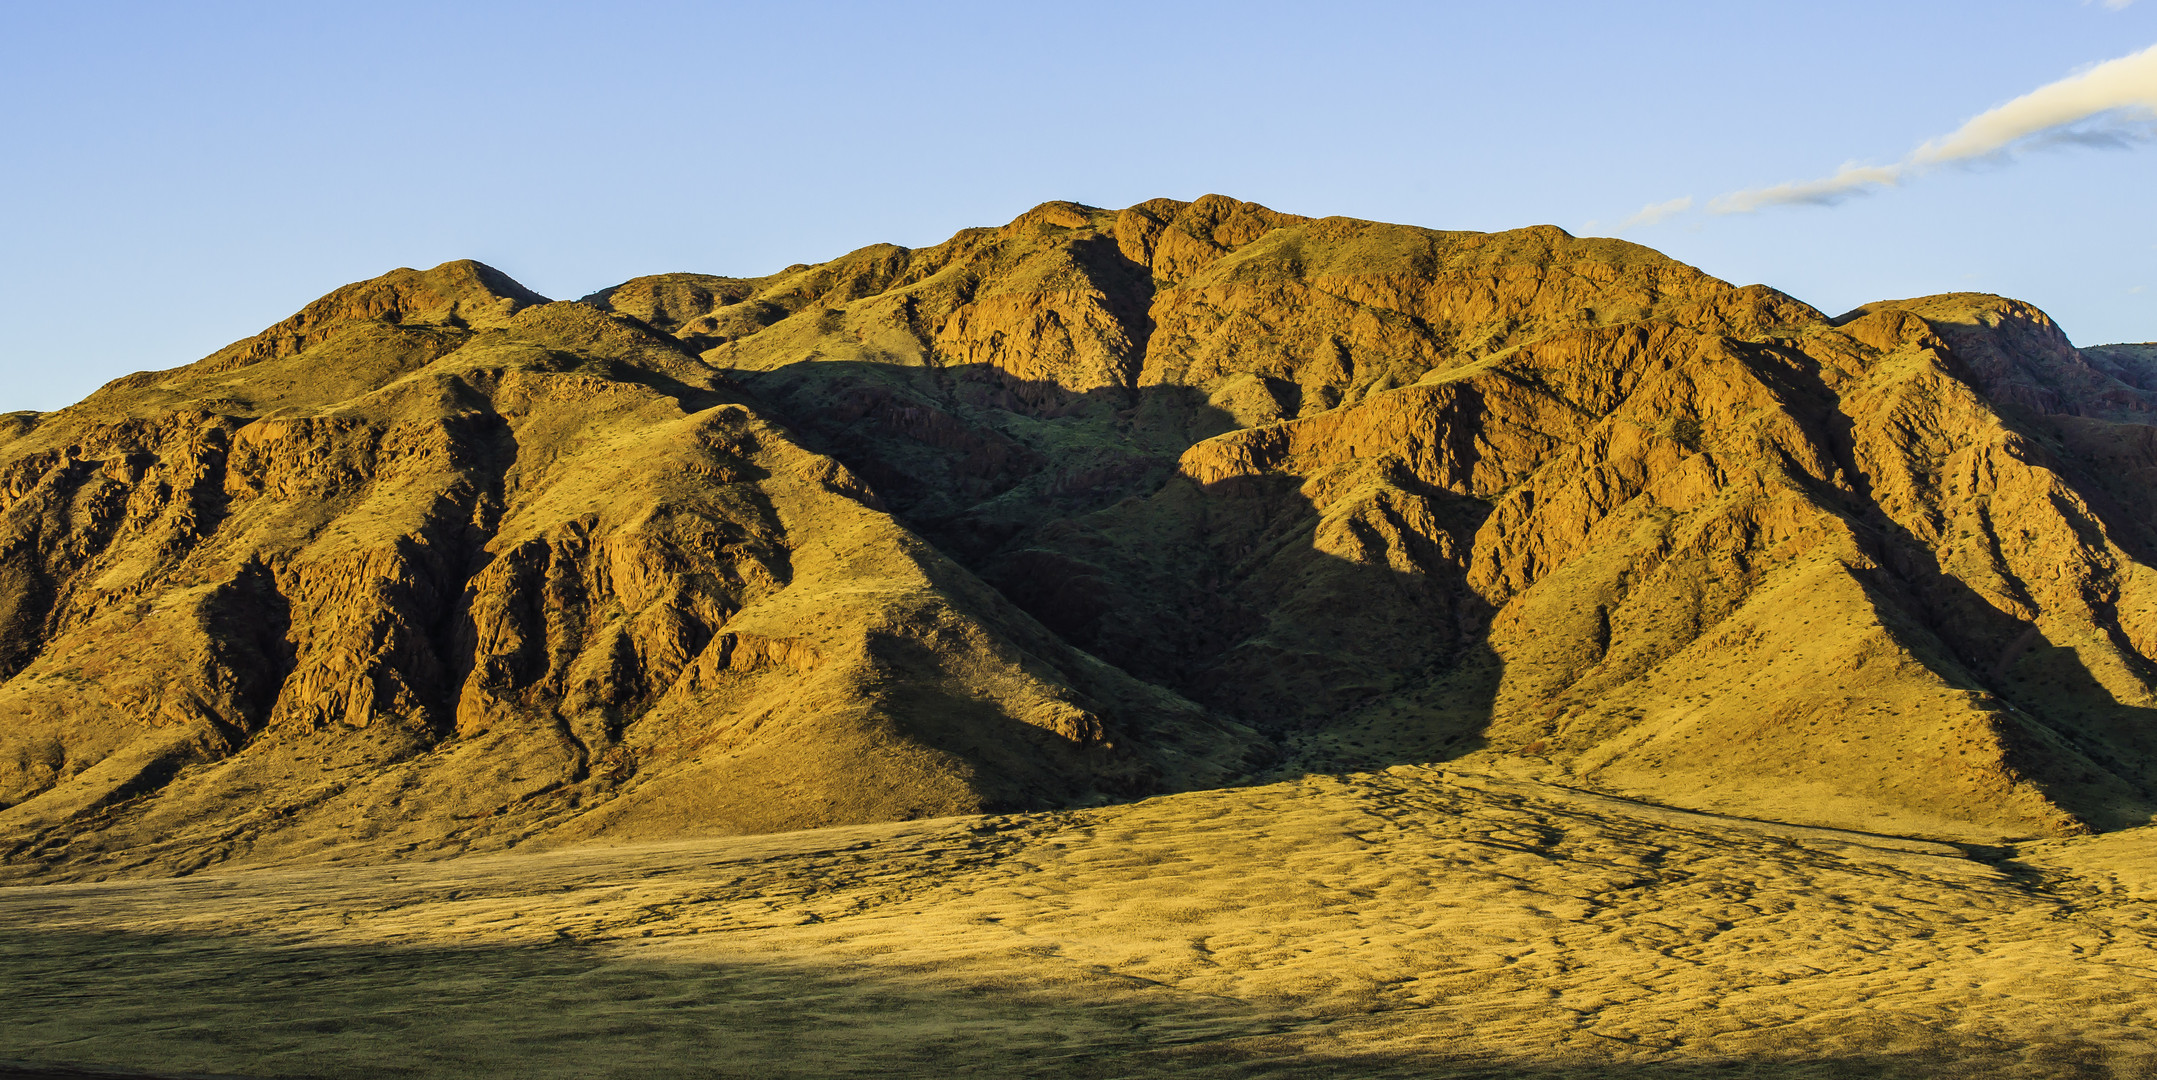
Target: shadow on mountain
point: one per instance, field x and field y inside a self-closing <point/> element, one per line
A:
<point x="231" y="1007"/>
<point x="973" y="457"/>
<point x="1332" y="612"/>
<point x="2064" y="728"/>
<point x="1244" y="594"/>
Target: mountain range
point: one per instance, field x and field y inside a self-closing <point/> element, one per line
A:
<point x="1092" y="506"/>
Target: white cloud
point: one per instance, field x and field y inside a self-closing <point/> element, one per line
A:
<point x="2110" y="104"/>
<point x="1655" y="212"/>
<point x="2118" y="5"/>
<point x="1851" y="179"/>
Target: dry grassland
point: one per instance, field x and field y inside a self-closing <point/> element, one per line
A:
<point x="1450" y="921"/>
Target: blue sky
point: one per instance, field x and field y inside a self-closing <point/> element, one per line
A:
<point x="179" y="176"/>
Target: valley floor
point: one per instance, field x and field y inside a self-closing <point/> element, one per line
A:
<point x="1413" y="922"/>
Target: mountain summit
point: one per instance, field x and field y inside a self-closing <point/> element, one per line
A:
<point x="1094" y="505"/>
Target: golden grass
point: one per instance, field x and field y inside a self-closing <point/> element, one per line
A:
<point x="1412" y="922"/>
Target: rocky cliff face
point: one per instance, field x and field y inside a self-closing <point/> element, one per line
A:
<point x="1097" y="504"/>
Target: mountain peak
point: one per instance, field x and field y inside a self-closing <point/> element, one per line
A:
<point x="461" y="292"/>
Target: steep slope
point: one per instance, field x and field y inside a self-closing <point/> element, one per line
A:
<point x="437" y="564"/>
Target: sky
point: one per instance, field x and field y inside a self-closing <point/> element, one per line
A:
<point x="176" y="177"/>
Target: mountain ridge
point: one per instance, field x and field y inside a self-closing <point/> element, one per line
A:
<point x="1089" y="506"/>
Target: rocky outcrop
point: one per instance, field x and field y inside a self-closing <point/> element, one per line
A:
<point x="2016" y="355"/>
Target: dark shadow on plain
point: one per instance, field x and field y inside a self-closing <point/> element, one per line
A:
<point x="120" y="1005"/>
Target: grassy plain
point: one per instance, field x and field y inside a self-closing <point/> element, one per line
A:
<point x="1456" y="921"/>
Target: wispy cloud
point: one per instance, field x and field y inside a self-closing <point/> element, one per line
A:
<point x="2110" y="104"/>
<point x="1655" y="212"/>
<point x="1851" y="179"/>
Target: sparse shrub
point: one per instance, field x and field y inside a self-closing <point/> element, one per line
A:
<point x="44" y="755"/>
<point x="1683" y="430"/>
